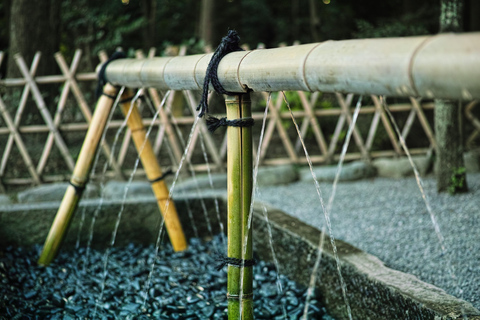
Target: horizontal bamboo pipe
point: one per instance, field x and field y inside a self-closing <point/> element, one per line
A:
<point x="79" y="177"/>
<point x="439" y="66"/>
<point x="153" y="172"/>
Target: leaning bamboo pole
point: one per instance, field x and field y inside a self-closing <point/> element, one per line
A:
<point x="439" y="66"/>
<point x="154" y="175"/>
<point x="239" y="189"/>
<point x="79" y="177"/>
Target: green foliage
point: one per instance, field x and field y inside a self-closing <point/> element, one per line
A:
<point x="403" y="26"/>
<point x="458" y="181"/>
<point x="99" y="25"/>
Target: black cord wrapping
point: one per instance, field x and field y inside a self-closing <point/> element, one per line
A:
<point x="223" y="261"/>
<point x="102" y="80"/>
<point x="78" y="189"/>
<point x="229" y="43"/>
<point x="214" y="123"/>
<point x="166" y="173"/>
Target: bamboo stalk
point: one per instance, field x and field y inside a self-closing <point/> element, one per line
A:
<point x="239" y="172"/>
<point x="79" y="177"/>
<point x="153" y="172"/>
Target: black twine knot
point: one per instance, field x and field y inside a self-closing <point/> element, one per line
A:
<point x="229" y="43"/>
<point x="223" y="261"/>
<point x="166" y="173"/>
<point x="214" y="123"/>
<point x="102" y="79"/>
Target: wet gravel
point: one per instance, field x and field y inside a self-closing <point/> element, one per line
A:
<point x="184" y="285"/>
<point x="388" y="218"/>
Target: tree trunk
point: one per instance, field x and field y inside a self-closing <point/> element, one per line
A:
<point x="206" y="25"/>
<point x="314" y="22"/>
<point x="410" y="6"/>
<point x="474" y="14"/>
<point x="35" y="26"/>
<point x="450" y="168"/>
<point x="149" y="34"/>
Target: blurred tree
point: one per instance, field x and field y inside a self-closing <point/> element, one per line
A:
<point x="92" y="26"/>
<point x="206" y="23"/>
<point x="149" y="11"/>
<point x="472" y="7"/>
<point x="34" y="26"/>
<point x="314" y="21"/>
<point x="450" y="167"/>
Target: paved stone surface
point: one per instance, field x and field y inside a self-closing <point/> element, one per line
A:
<point x="117" y="189"/>
<point x="4" y="199"/>
<point x="267" y="176"/>
<point x="398" y="168"/>
<point x="388" y="218"/>
<point x="472" y="160"/>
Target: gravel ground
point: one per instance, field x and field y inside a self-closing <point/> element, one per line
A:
<point x="388" y="218"/>
<point x="184" y="285"/>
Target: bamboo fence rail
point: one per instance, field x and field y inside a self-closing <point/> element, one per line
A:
<point x="322" y="127"/>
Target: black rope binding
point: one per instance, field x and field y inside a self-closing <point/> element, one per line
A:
<point x="166" y="173"/>
<point x="223" y="261"/>
<point x="228" y="44"/>
<point x="214" y="123"/>
<point x="78" y="189"/>
<point x="102" y="80"/>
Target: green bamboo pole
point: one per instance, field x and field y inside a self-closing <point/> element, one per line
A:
<point x="79" y="178"/>
<point x="153" y="172"/>
<point x="239" y="171"/>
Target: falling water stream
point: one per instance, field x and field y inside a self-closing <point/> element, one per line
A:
<point x="313" y="275"/>
<point x="103" y="175"/>
<point x="119" y="215"/>
<point x="433" y="217"/>
<point x="167" y="204"/>
<point x="192" y="172"/>
<point x="210" y="181"/>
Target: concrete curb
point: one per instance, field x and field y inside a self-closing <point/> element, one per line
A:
<point x="373" y="290"/>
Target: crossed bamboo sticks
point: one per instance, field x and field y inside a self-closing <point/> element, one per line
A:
<point x="84" y="164"/>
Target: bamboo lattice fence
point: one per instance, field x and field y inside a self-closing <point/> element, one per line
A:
<point x="44" y="150"/>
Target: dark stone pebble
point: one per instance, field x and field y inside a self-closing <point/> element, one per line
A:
<point x="183" y="285"/>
